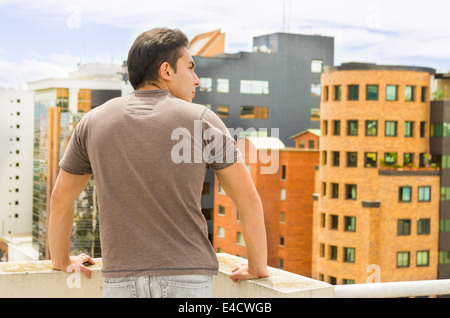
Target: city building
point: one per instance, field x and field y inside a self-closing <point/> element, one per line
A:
<point x="440" y="155"/>
<point x="59" y="104"/>
<point x="377" y="190"/>
<point x="16" y="168"/>
<point x="285" y="180"/>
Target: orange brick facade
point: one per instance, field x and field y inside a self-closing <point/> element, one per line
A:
<point x="361" y="203"/>
<point x="287" y="197"/>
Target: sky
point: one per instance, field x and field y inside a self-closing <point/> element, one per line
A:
<point x="49" y="38"/>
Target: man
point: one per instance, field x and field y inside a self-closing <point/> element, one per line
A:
<point x="153" y="235"/>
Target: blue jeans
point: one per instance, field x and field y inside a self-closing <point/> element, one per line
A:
<point x="180" y="286"/>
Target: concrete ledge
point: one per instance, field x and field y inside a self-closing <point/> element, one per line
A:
<point x="37" y="279"/>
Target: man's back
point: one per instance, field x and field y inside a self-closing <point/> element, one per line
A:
<point x="149" y="204"/>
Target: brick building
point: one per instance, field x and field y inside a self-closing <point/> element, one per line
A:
<point x="377" y="199"/>
<point x="284" y="179"/>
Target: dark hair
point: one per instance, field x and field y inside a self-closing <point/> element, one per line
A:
<point x="151" y="49"/>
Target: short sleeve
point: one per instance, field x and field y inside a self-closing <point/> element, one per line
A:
<point x="219" y="147"/>
<point x="75" y="159"/>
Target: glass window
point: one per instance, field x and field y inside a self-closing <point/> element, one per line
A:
<point x="223" y="85"/>
<point x="371" y="127"/>
<point x="409" y="93"/>
<point x="409" y="128"/>
<point x="444" y="225"/>
<point x="336" y="127"/>
<point x="372" y="92"/>
<point x="423" y="94"/>
<point x="370" y="159"/>
<point x="325" y="94"/>
<point x="254" y="87"/>
<point x="444" y="257"/>
<point x="240" y="239"/>
<point x="390" y="129"/>
<point x="350" y="191"/>
<point x="333" y="252"/>
<point x="404" y="227"/>
<point x="352" y="128"/>
<point x="223" y="111"/>
<point x="337" y="92"/>
<point x="221" y="210"/>
<point x="422" y="258"/>
<point x="205" y="84"/>
<point x="445" y="193"/>
<point x="352" y="159"/>
<point x="402" y="259"/>
<point x="335" y="155"/>
<point x="283" y="194"/>
<point x="424" y="193"/>
<point x="281" y="240"/>
<point x="315" y="90"/>
<point x="408" y="158"/>
<point x="353" y="92"/>
<point x="254" y="112"/>
<point x="335" y="190"/>
<point x="404" y="194"/>
<point x="334" y="222"/>
<point x="316" y="66"/>
<point x="391" y="92"/>
<point x="349" y="223"/>
<point x="282" y="217"/>
<point x="220" y="231"/>
<point x="423" y="226"/>
<point x="349" y="254"/>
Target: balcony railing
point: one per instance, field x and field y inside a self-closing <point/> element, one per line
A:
<point x="37" y="279"/>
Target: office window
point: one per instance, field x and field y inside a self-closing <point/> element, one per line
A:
<point x="223" y="111"/>
<point x="424" y="193"/>
<point x="282" y="217"/>
<point x="335" y="190"/>
<point x="402" y="259"/>
<point x="444" y="225"/>
<point x="404" y="194"/>
<point x="336" y="127"/>
<point x="423" y="159"/>
<point x="281" y="241"/>
<point x="423" y="226"/>
<point x="240" y="239"/>
<point x="423" y="95"/>
<point x="325" y="94"/>
<point x="315" y="90"/>
<point x="348" y="281"/>
<point x="254" y="87"/>
<point x="220" y="231"/>
<point x="324" y="188"/>
<point x="444" y="257"/>
<point x="408" y="158"/>
<point x="409" y="125"/>
<point x="404" y="227"/>
<point x="333" y="252"/>
<point x="352" y="128"/>
<point x="370" y="159"/>
<point x="316" y="66"/>
<point x="324" y="157"/>
<point x="337" y="91"/>
<point x="390" y="128"/>
<point x="391" y="92"/>
<point x="322" y="250"/>
<point x="352" y="159"/>
<point x="349" y="223"/>
<point x="445" y="193"/>
<point x="371" y="127"/>
<point x="349" y="254"/>
<point x="350" y="191"/>
<point x="221" y="210"/>
<point x="333" y="280"/>
<point x="334" y="222"/>
<point x="422" y="258"/>
<point x="205" y="84"/>
<point x="323" y="219"/>
<point x="372" y="92"/>
<point x="254" y="112"/>
<point x="324" y="128"/>
<point x="422" y="129"/>
<point x="335" y="157"/>
<point x="409" y="93"/>
<point x="283" y="194"/>
<point x="223" y="85"/>
<point x="353" y="92"/>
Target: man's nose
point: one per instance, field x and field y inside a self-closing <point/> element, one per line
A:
<point x="196" y="80"/>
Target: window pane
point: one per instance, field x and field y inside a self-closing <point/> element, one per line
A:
<point x="391" y="92"/>
<point x="423" y="226"/>
<point x="316" y="66"/>
<point x="371" y="127"/>
<point x="405" y="194"/>
<point x="223" y="111"/>
<point x="372" y="92"/>
<point x="254" y="112"/>
<point x="352" y="128"/>
<point x="391" y="128"/>
<point x="403" y="259"/>
<point x="409" y="93"/>
<point x="352" y="159"/>
<point x="205" y="84"/>
<point x="254" y="87"/>
<point x="424" y="193"/>
<point x="404" y="227"/>
<point x="422" y="258"/>
<point x="408" y="128"/>
<point x="223" y="85"/>
<point x="337" y="92"/>
<point x="353" y="92"/>
<point x="370" y="160"/>
<point x="315" y="90"/>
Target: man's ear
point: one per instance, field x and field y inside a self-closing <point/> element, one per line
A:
<point x="166" y="71"/>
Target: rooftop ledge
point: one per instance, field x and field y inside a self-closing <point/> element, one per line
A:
<point x="37" y="279"/>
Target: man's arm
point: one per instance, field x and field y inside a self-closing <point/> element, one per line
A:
<point x="67" y="188"/>
<point x="238" y="185"/>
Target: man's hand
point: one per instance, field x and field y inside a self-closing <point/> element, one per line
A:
<point x="78" y="262"/>
<point x="241" y="272"/>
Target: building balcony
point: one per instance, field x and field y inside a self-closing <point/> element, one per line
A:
<point x="37" y="279"/>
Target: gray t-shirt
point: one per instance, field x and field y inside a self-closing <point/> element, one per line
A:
<point x="149" y="152"/>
